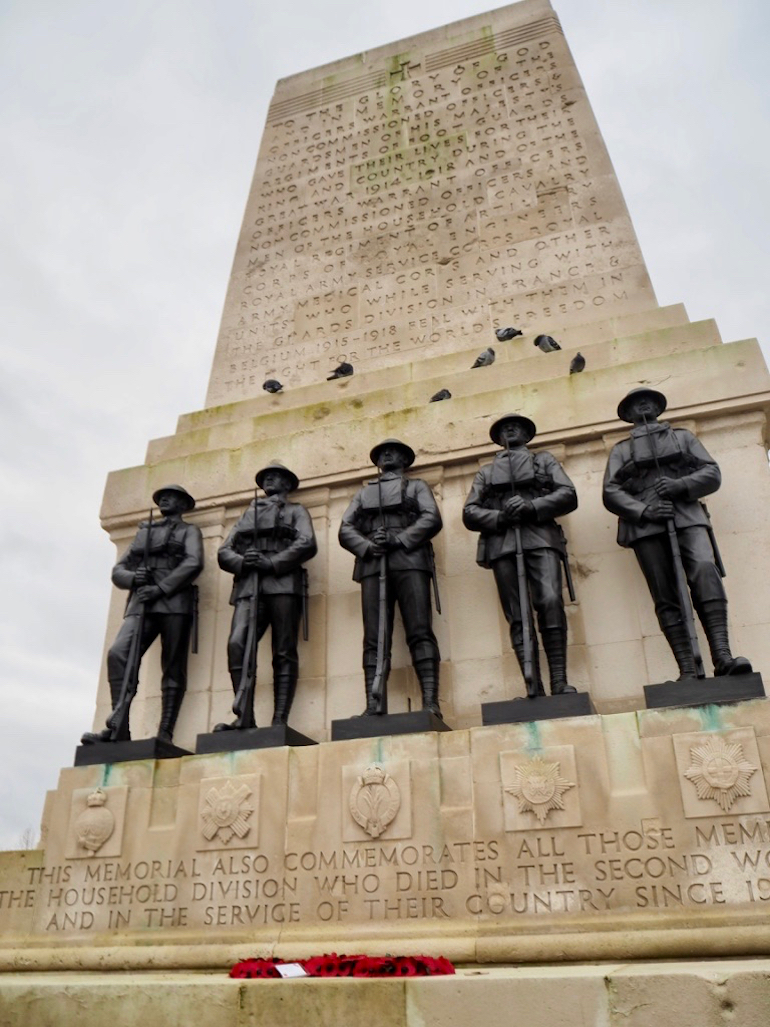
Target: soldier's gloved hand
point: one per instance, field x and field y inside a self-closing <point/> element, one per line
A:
<point x="251" y="557"/>
<point x="659" y="510"/>
<point x="670" y="488"/>
<point x="262" y="564"/>
<point x="142" y="576"/>
<point x="148" y="593"/>
<point x="518" y="509"/>
<point x="378" y="545"/>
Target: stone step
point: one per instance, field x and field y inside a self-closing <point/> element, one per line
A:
<point x="323" y="447"/>
<point x="413" y="387"/>
<point x="419" y="363"/>
<point x="689" y="993"/>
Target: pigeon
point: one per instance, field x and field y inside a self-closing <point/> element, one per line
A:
<point x="547" y="344"/>
<point x="577" y="364"/>
<point x="272" y="385"/>
<point x="504" y="334"/>
<point x="342" y="371"/>
<point x="484" y="359"/>
<point x="441" y="394"/>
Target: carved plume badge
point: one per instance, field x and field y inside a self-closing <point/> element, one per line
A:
<point x="720" y="771"/>
<point x="96" y="823"/>
<point x="374" y="800"/>
<point x="538" y="788"/>
<point x="226" y="812"/>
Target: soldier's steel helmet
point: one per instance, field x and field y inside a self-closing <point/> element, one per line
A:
<point x="624" y="404"/>
<point x="276" y="465"/>
<point x="178" y="490"/>
<point x="406" y="450"/>
<point x="529" y="426"/>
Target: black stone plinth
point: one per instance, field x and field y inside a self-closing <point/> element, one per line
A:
<point x="126" y="752"/>
<point x="387" y="724"/>
<point x="251" y="738"/>
<point x="541" y="707"/>
<point x="704" y="691"/>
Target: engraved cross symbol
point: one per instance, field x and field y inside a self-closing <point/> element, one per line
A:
<point x="403" y="70"/>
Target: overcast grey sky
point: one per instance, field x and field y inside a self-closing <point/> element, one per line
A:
<point x="129" y="136"/>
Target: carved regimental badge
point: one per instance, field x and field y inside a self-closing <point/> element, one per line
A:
<point x="719" y="771"/>
<point x="538" y="788"/>
<point x="226" y="812"/>
<point x="374" y="800"/>
<point x="95" y="824"/>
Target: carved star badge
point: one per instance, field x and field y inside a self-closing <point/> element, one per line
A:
<point x="720" y="771"/>
<point x="226" y="812"/>
<point x="539" y="788"/>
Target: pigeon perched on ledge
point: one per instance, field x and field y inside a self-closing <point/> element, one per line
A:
<point x="577" y="363"/>
<point x="343" y="370"/>
<point x="484" y="359"/>
<point x="441" y="394"/>
<point x="505" y="334"/>
<point x="547" y="344"/>
<point x="272" y="385"/>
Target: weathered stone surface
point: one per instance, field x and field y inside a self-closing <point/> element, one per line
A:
<point x="610" y="995"/>
<point x="411" y="198"/>
<point x="641" y="836"/>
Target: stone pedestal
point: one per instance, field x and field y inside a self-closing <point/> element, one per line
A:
<point x="125" y="752"/>
<point x="252" y="738"/>
<point x="387" y="724"/>
<point x="704" y="691"/>
<point x="541" y="707"/>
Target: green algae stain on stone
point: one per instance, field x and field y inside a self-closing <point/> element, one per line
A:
<point x="710" y="717"/>
<point x="534" y="741"/>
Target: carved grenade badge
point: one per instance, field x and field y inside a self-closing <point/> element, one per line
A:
<point x="96" y="823"/>
<point x="374" y="800"/>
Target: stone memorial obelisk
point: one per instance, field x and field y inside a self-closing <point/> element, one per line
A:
<point x="408" y="203"/>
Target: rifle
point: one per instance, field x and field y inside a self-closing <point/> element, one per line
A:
<point x="528" y="668"/>
<point x="381" y="669"/>
<point x="681" y="581"/>
<point x="243" y="704"/>
<point x="305" y="589"/>
<point x="117" y="721"/>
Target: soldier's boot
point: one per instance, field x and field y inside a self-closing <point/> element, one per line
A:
<point x="235" y="678"/>
<point x="536" y="688"/>
<point x="371" y="703"/>
<point x="679" y="641"/>
<point x="170" y="705"/>
<point x="105" y="735"/>
<point x="284" y="687"/>
<point x="555" y="645"/>
<point x="427" y="672"/>
<point x="713" y="617"/>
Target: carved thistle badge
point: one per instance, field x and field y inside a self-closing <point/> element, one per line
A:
<point x="374" y="800"/>
<point x="96" y="823"/>
<point x="538" y="788"/>
<point x="719" y="771"/>
<point x="226" y="812"/>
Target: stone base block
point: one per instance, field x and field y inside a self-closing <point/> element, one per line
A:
<point x="126" y="752"/>
<point x="387" y="724"/>
<point x="645" y="994"/>
<point x="251" y="738"/>
<point x="542" y="707"/>
<point x="704" y="691"/>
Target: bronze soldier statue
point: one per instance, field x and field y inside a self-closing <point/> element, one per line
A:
<point x="653" y="482"/>
<point x="158" y="569"/>
<point x="265" y="557"/>
<point x="513" y="502"/>
<point x="388" y="527"/>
